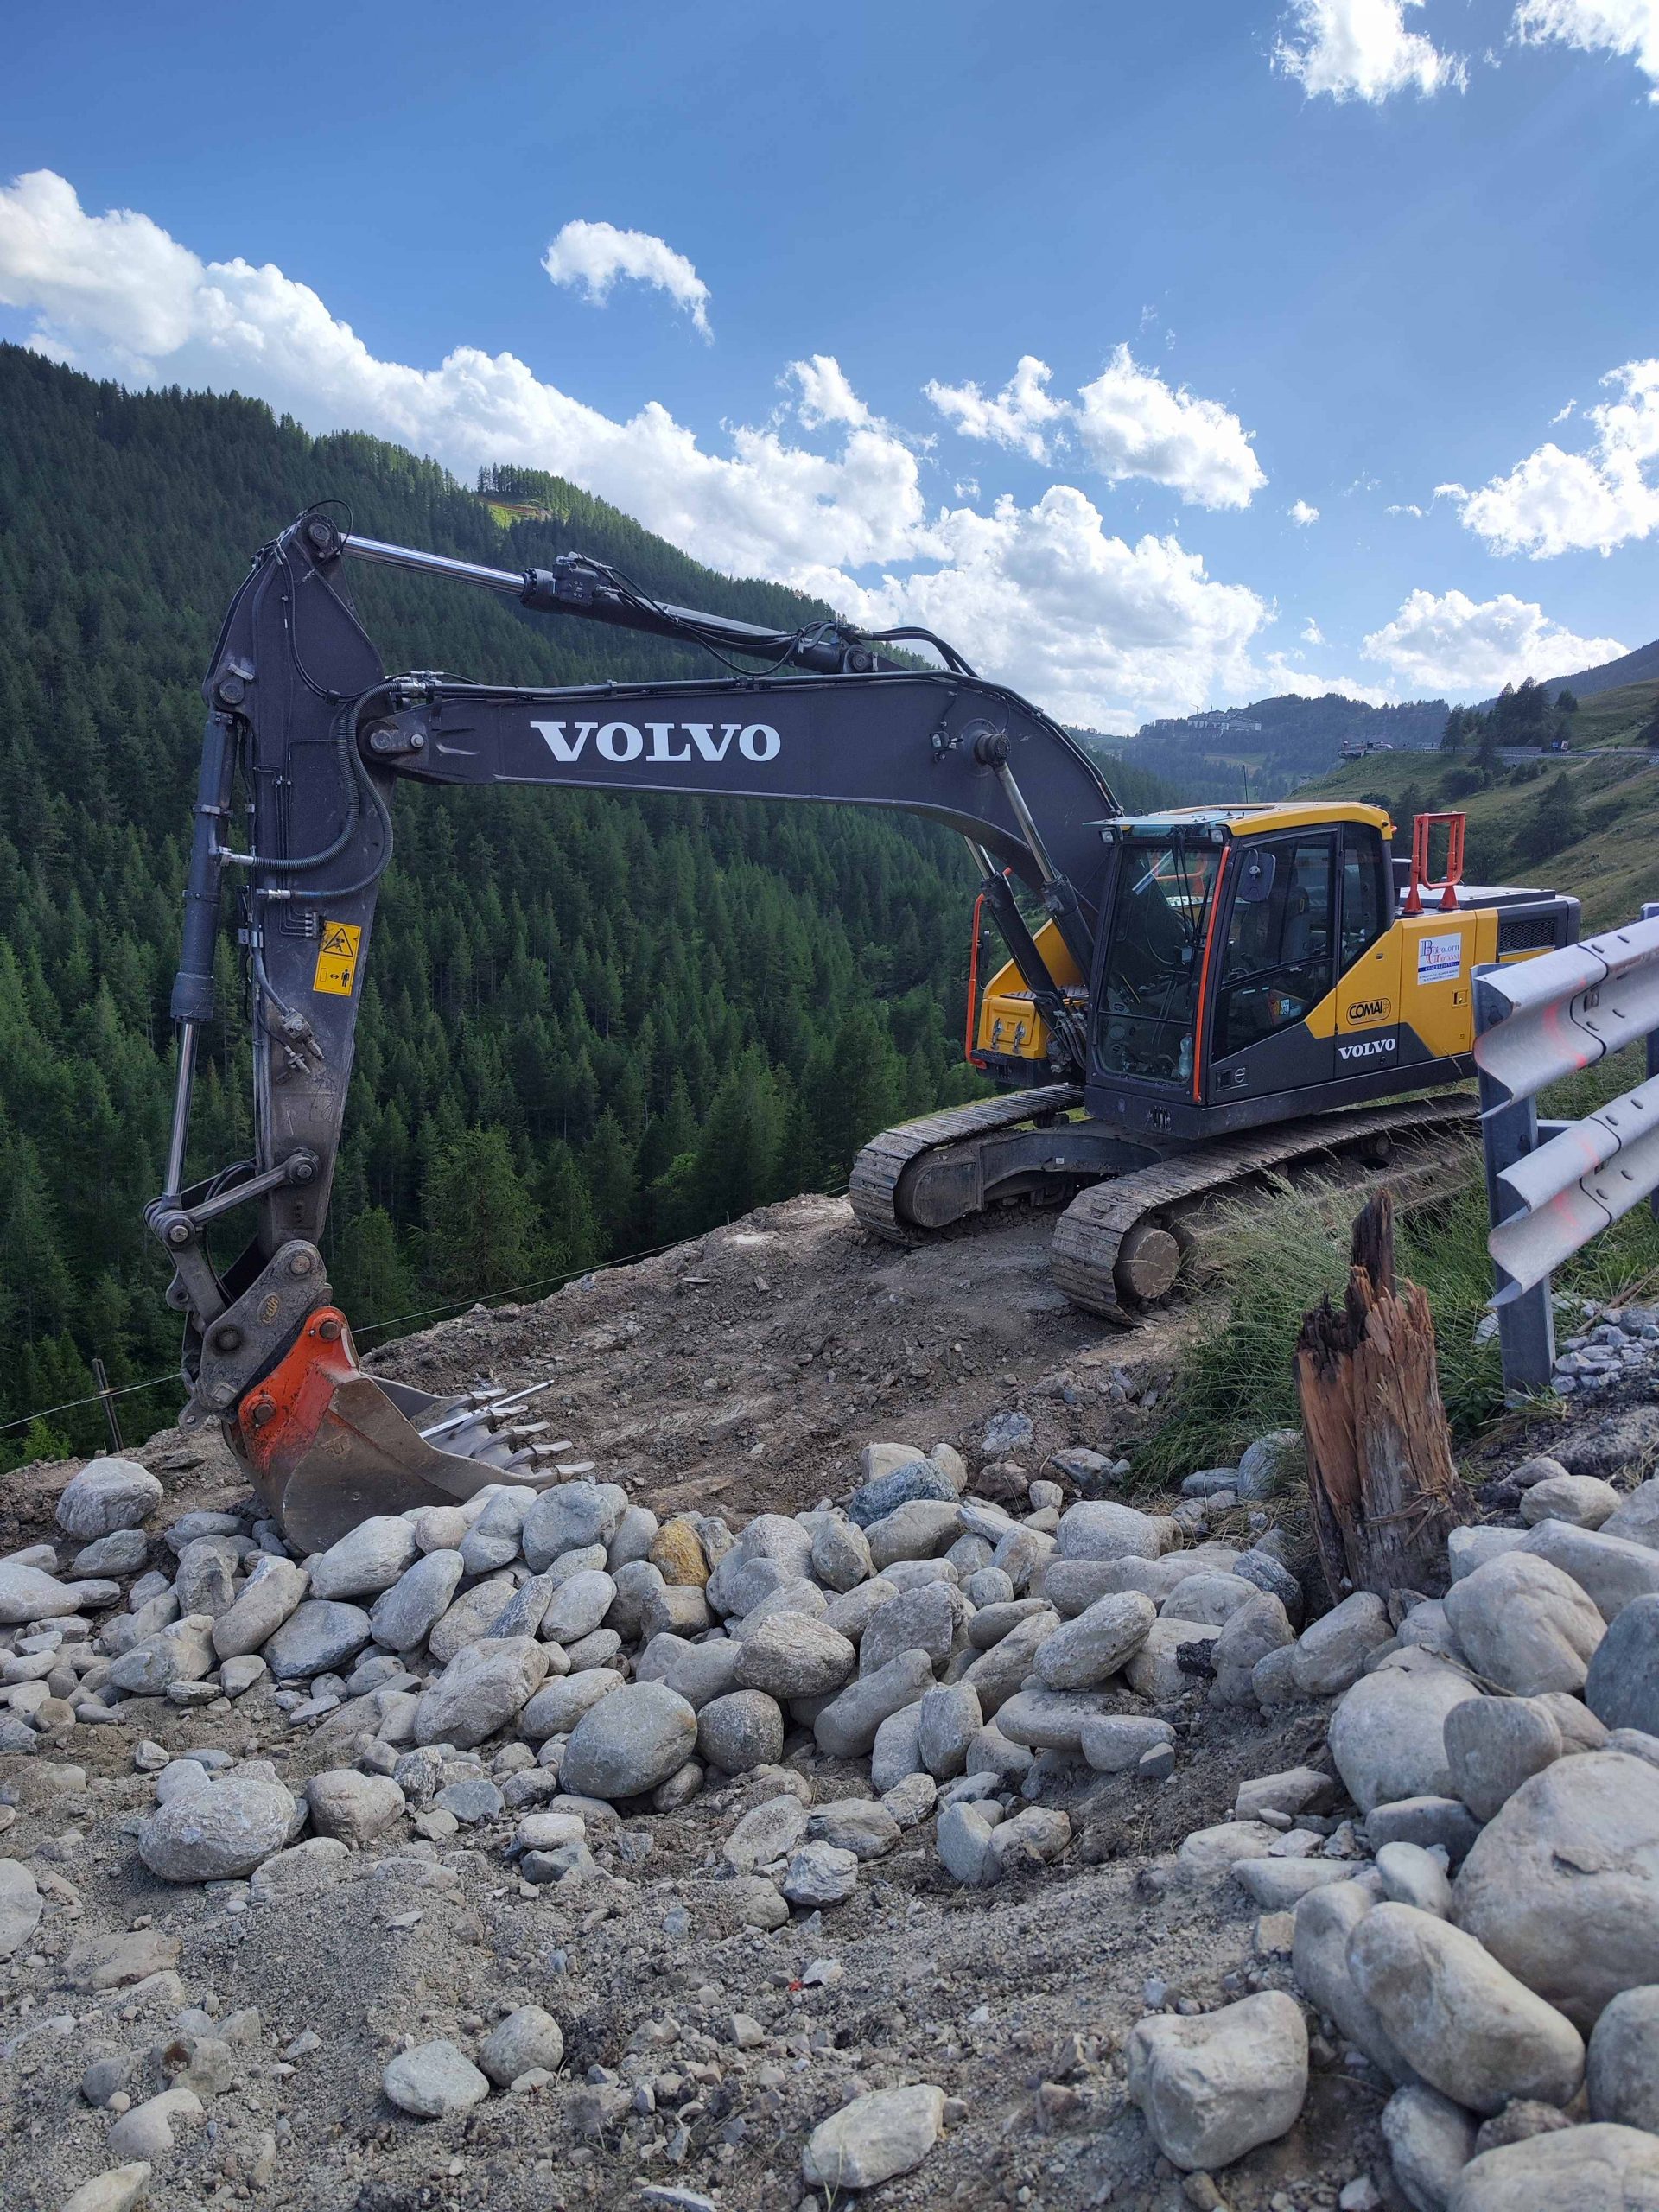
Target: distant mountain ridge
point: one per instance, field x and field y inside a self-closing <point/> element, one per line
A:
<point x="1281" y="741"/>
<point x="1638" y="667"/>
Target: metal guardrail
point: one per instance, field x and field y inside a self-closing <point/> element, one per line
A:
<point x="1551" y="1186"/>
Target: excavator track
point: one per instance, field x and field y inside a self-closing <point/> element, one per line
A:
<point x="1120" y="1247"/>
<point x="873" y="1186"/>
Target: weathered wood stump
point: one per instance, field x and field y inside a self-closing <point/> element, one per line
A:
<point x="1383" y="1486"/>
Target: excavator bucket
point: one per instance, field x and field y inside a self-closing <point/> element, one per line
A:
<point x="327" y="1445"/>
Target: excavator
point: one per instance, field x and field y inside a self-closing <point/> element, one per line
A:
<point x="1192" y="1003"/>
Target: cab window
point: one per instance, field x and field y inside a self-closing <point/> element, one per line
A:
<point x="1279" y="958"/>
<point x="1366" y="890"/>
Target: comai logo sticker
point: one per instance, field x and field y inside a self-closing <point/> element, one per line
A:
<point x="1439" y="959"/>
<point x="659" y="744"/>
<point x="1370" y="1010"/>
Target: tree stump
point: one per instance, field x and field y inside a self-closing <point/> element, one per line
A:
<point x="1384" y="1491"/>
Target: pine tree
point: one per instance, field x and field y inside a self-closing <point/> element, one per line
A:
<point x="481" y="1223"/>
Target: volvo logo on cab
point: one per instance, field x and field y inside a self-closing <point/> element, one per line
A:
<point x="661" y="744"/>
<point x="1373" y="1048"/>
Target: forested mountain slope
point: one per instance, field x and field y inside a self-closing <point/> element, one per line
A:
<point x="592" y="1023"/>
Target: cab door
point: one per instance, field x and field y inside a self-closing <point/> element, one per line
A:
<point x="1278" y="958"/>
<point x="1367" y="994"/>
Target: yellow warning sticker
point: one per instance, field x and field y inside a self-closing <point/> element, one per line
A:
<point x="336" y="972"/>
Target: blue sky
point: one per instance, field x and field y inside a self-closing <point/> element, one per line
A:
<point x="1261" y="260"/>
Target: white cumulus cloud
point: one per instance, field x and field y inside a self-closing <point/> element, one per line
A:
<point x="1311" y="633"/>
<point x="1557" y="502"/>
<point x="826" y="495"/>
<point x="1627" y="28"/>
<point x="1451" y="643"/>
<point x="594" y="255"/>
<point x="1301" y="514"/>
<point x="1128" y="422"/>
<point x="1363" y="50"/>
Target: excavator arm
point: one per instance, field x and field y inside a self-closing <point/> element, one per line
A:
<point x="305" y="740"/>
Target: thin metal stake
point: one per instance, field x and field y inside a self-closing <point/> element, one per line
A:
<point x="107" y="1396"/>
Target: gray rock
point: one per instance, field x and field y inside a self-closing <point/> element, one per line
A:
<point x="366" y="1560"/>
<point x="1388" y="1736"/>
<point x="916" y="1477"/>
<point x="316" y="1637"/>
<point x="841" y="1553"/>
<point x="963" y="1838"/>
<point x="766" y="1832"/>
<point x="119" y="1962"/>
<point x="1277" y="1885"/>
<point x="1581" y="1500"/>
<point x="568" y="1518"/>
<point x="920" y="1529"/>
<point x="912" y="1799"/>
<point x="1023" y="1555"/>
<point x="182" y="1652"/>
<point x="603" y="1648"/>
<point x="353" y="1808"/>
<point x="1248" y="1636"/>
<point x="118" y="2188"/>
<point x="698" y="1671"/>
<point x="998" y="1673"/>
<point x="1434" y="1823"/>
<point x="1467" y="2025"/>
<point x="948" y="1719"/>
<point x="1612" y="1569"/>
<point x="1623" y="2067"/>
<point x="773" y="1549"/>
<point x="1072" y="1586"/>
<point x="1115" y="1742"/>
<point x="846" y="1727"/>
<point x="1411" y="1876"/>
<point x="1638" y="1516"/>
<point x="881" y="2133"/>
<point x="741" y="1730"/>
<point x="1562" y="1886"/>
<point x="27" y="1594"/>
<point x="1325" y="1923"/>
<point x="1050" y="1720"/>
<point x="1098" y="1528"/>
<point x="896" y="1751"/>
<point x="1471" y="1546"/>
<point x="1332" y="1651"/>
<point x="272" y="1592"/>
<point x="107" y="1495"/>
<point x="579" y="1605"/>
<point x="861" y="1825"/>
<point x="1538" y="1468"/>
<point x="632" y="1538"/>
<point x="484" y="1688"/>
<point x="146" y="2132"/>
<point x="1524" y="1625"/>
<point x="1027" y="1842"/>
<point x="19" y="1906"/>
<point x="206" y="1582"/>
<point x="1622" y="1687"/>
<point x="406" y="1614"/>
<point x="1273" y="1460"/>
<point x="917" y="1620"/>
<point x="1495" y="1744"/>
<point x="123" y="1551"/>
<point x="1098" y="1642"/>
<point x="433" y="2081"/>
<point x="472" y="1615"/>
<point x="1272" y="1575"/>
<point x="1217" y="2085"/>
<point x="557" y="1706"/>
<point x="1430" y="2141"/>
<point x="527" y="2038"/>
<point x="629" y="1742"/>
<point x="1297" y="1790"/>
<point x="1155" y="1671"/>
<point x="988" y="1589"/>
<point x="218" y="1833"/>
<point x="991" y="1622"/>
<point x="1004" y="1435"/>
<point x="819" y="1874"/>
<point x="790" y="1655"/>
<point x="1598" y="2169"/>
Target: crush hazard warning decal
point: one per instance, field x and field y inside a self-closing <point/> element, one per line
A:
<point x="336" y="970"/>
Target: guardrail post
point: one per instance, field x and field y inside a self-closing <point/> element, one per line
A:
<point x="1526" y="1326"/>
<point x="1651" y="913"/>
